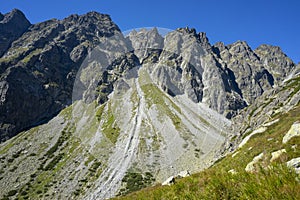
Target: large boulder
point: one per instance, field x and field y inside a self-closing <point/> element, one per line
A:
<point x="169" y="181"/>
<point x="293" y="132"/>
<point x="295" y="164"/>
<point x="251" y="165"/>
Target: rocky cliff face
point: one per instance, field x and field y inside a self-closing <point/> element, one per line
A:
<point x="12" y="26"/>
<point x="226" y="78"/>
<point x="39" y="64"/>
<point x="143" y="105"/>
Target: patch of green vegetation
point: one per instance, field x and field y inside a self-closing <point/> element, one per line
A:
<point x="16" y="140"/>
<point x="61" y="144"/>
<point x="12" y="193"/>
<point x="89" y="129"/>
<point x="13" y="169"/>
<point x="135" y="181"/>
<point x="54" y="162"/>
<point x="94" y="171"/>
<point x="32" y="154"/>
<point x="33" y="53"/>
<point x="8" y="146"/>
<point x="296" y="90"/>
<point x="99" y="112"/>
<point x="252" y="112"/>
<point x="142" y="145"/>
<point x="65" y="135"/>
<point x="156" y="142"/>
<point x="169" y="63"/>
<point x="89" y="160"/>
<point x="109" y="127"/>
<point x="17" y="52"/>
<point x="77" y="192"/>
<point x="155" y="96"/>
<point x="292" y="84"/>
<point x="198" y="152"/>
<point x="5" y="148"/>
<point x="67" y="112"/>
<point x="94" y="167"/>
<point x="134" y="99"/>
<point x="17" y="154"/>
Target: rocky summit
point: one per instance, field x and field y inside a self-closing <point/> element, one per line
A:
<point x="87" y="112"/>
<point x="39" y="63"/>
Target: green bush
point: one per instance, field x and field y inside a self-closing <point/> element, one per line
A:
<point x="95" y="166"/>
<point x="12" y="193"/>
<point x="39" y="191"/>
<point x="135" y="181"/>
<point x="54" y="162"/>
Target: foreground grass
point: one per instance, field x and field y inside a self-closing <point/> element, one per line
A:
<point x="269" y="181"/>
<point x="279" y="183"/>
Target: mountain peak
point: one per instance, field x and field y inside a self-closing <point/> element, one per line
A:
<point x="145" y="40"/>
<point x="92" y="20"/>
<point x="15" y="16"/>
<point x="187" y="30"/>
<point x="271" y="49"/>
<point x="239" y="44"/>
<point x="12" y="26"/>
<point x="97" y="14"/>
<point x="274" y="58"/>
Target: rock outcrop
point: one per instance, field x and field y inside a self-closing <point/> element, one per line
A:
<point x="39" y="65"/>
<point x="12" y="26"/>
<point x="169" y="181"/>
<point x="183" y="174"/>
<point x="295" y="164"/>
<point x="273" y="59"/>
<point x="276" y="154"/>
<point x="251" y="165"/>
<point x="293" y="132"/>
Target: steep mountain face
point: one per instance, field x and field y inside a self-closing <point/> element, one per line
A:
<point x="266" y="109"/>
<point x="38" y="68"/>
<point x="227" y="78"/>
<point x="262" y="157"/>
<point x="133" y="110"/>
<point x="12" y="26"/>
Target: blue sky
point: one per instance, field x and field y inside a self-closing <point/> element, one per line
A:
<point x="275" y="22"/>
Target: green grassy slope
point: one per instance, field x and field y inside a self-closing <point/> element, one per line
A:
<point x="269" y="181"/>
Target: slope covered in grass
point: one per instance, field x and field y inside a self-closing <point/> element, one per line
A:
<point x="269" y="180"/>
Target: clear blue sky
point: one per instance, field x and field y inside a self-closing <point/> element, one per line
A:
<point x="275" y="22"/>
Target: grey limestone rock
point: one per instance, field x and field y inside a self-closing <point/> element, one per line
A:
<point x="39" y="67"/>
<point x="146" y="42"/>
<point x="12" y="26"/>
<point x="273" y="59"/>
